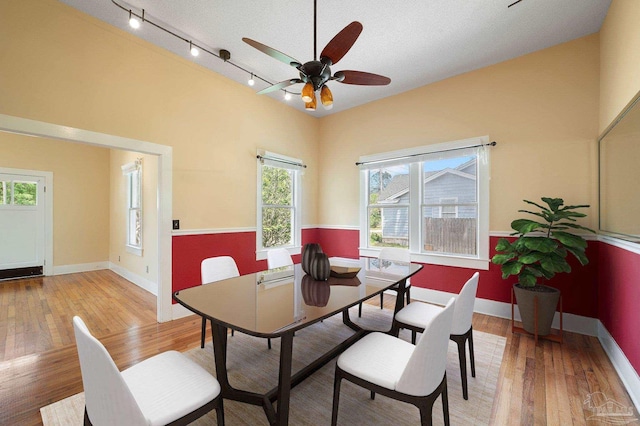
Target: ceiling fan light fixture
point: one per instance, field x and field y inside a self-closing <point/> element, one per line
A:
<point x="311" y="106"/>
<point x="326" y="97"/>
<point x="308" y="94"/>
<point x="251" y="81"/>
<point x="287" y="96"/>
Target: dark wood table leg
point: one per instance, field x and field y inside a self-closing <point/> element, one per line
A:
<point x="219" y="334"/>
<point x="284" y="378"/>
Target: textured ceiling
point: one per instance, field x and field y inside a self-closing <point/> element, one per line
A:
<point x="414" y="42"/>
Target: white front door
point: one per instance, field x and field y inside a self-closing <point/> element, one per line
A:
<point x="22" y="222"/>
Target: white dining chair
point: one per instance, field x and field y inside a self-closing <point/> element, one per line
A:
<point x="414" y="317"/>
<point x="397" y="369"/>
<point x="215" y="269"/>
<point x="168" y="388"/>
<point x="393" y="254"/>
<point x="279" y="257"/>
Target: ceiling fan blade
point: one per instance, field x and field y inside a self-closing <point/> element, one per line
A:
<point x="280" y="85"/>
<point x="362" y="78"/>
<point x="342" y="42"/>
<point x="276" y="54"/>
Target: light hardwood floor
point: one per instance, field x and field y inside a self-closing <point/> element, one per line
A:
<point x="538" y="384"/>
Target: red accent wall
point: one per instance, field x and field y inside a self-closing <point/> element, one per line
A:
<point x="608" y="288"/>
<point x="619" y="298"/>
<point x="190" y="250"/>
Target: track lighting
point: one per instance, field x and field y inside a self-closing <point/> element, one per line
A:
<point x="326" y="97"/>
<point x="136" y="20"/>
<point x="133" y="21"/>
<point x="194" y="51"/>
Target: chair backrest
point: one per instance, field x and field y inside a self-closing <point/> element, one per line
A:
<point x="428" y="363"/>
<point x="218" y="268"/>
<point x="107" y="397"/>
<point x="277" y="258"/>
<point x="463" y="312"/>
<point x="395" y="254"/>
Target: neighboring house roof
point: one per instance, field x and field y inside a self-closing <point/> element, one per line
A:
<point x="399" y="184"/>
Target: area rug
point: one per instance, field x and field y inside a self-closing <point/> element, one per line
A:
<point x="254" y="367"/>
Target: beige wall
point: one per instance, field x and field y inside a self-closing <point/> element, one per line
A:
<point x="80" y="193"/>
<point x="619" y="59"/>
<point x="70" y="69"/>
<point x="541" y="108"/>
<point x="118" y="254"/>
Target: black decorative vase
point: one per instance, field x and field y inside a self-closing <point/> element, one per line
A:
<point x="308" y="253"/>
<point x="320" y="268"/>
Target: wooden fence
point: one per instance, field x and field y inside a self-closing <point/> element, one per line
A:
<point x="450" y="235"/>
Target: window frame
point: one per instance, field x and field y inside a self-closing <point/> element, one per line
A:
<point x="267" y="158"/>
<point x="481" y="259"/>
<point x="129" y="170"/>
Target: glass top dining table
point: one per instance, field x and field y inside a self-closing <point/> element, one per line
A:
<point x="276" y="303"/>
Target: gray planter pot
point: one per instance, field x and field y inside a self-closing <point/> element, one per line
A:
<point x="547" y="302"/>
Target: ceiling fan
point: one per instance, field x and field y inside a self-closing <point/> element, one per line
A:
<point x="315" y="74"/>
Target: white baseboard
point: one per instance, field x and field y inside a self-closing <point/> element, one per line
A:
<point x="141" y="282"/>
<point x="80" y="267"/>
<point x="178" y="311"/>
<point x="571" y="322"/>
<point x="621" y="363"/>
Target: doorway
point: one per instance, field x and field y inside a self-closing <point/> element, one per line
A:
<point x="165" y="158"/>
<point x="25" y="234"/>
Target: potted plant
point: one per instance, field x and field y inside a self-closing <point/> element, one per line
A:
<point x="541" y="251"/>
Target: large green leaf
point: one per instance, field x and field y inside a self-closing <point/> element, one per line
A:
<point x="555" y="263"/>
<point x="503" y="245"/>
<point x="501" y="259"/>
<point x="537" y="205"/>
<point x="530" y="258"/>
<point x="579" y="254"/>
<point x="570" y="240"/>
<point x="511" y="268"/>
<point x="524" y="226"/>
<point x="527" y="279"/>
<point x="541" y="244"/>
<point x="554" y="203"/>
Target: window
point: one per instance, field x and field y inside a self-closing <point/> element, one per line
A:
<point x="18" y="193"/>
<point x="432" y="200"/>
<point x="133" y="174"/>
<point x="278" y="222"/>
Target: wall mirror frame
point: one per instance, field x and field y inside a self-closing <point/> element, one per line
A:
<point x="619" y="175"/>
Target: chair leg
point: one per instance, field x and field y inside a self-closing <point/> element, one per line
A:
<point x="336" y="397"/>
<point x="204" y="329"/>
<point x="220" y="413"/>
<point x="381" y="300"/>
<point x="269" y="342"/>
<point x="373" y="395"/>
<point x="360" y="310"/>
<point x="461" y="340"/>
<point x="472" y="356"/>
<point x="87" y="421"/>
<point x="232" y="331"/>
<point x="413" y="336"/>
<point x="445" y="402"/>
<point x="408" y="295"/>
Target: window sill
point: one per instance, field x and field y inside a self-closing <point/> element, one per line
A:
<point x="134" y="250"/>
<point x="437" y="259"/>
